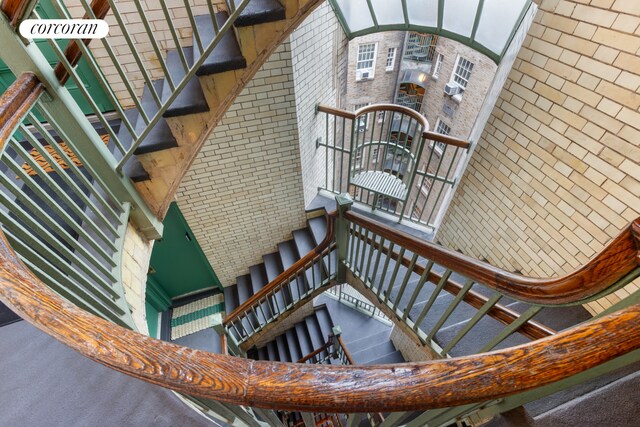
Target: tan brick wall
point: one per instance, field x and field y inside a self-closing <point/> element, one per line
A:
<point x="411" y="351"/>
<point x="382" y="88"/>
<point x="135" y="264"/>
<point x="317" y="47"/>
<point x="555" y="174"/>
<point x="243" y="194"/>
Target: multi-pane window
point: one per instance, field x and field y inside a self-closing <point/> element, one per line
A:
<point x="365" y="64"/>
<point x="462" y="71"/>
<point x="421" y="47"/>
<point x="438" y="66"/>
<point x="391" y="59"/>
<point x="444" y="129"/>
<point x="363" y="121"/>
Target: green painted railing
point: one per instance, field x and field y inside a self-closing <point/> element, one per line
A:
<point x="385" y="157"/>
<point x="59" y="214"/>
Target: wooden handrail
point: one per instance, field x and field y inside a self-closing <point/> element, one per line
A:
<point x="16" y="102"/>
<point x="285" y="275"/>
<point x="378" y="107"/>
<point x="619" y="258"/>
<point x="446" y="139"/>
<point x="14" y="10"/>
<point x="317" y="388"/>
<point x="504" y="315"/>
<point x="347" y="354"/>
<point x="317" y="351"/>
<point x="72" y="52"/>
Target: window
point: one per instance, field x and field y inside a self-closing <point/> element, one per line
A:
<point x="391" y="59"/>
<point x="366" y="61"/>
<point x="444" y="129"/>
<point x="462" y="72"/>
<point x="374" y="155"/>
<point x="363" y="121"/>
<point x="421" y="47"/>
<point x="438" y="66"/>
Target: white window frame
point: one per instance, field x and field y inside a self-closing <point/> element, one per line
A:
<point x="462" y="79"/>
<point x="438" y="65"/>
<point x="360" y="68"/>
<point x="443" y="129"/>
<point x="391" y="59"/>
<point x="362" y="119"/>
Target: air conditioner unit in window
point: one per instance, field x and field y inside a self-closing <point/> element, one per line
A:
<point x="452" y="89"/>
<point x="363" y="75"/>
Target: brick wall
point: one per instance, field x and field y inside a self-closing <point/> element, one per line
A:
<point x="317" y="47"/>
<point x="382" y="88"/>
<point x="243" y="194"/>
<point x="135" y="264"/>
<point x="555" y="175"/>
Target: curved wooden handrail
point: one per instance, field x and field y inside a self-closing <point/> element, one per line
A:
<point x="317" y="388"/>
<point x="346" y="351"/>
<point x="16" y="102"/>
<point x="531" y="329"/>
<point x="446" y="139"/>
<point x="72" y="52"/>
<point x="14" y="10"/>
<point x="620" y="257"/>
<point x="289" y="272"/>
<point x="379" y="107"/>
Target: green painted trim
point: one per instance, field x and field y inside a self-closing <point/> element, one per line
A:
<point x="156" y="296"/>
<point x="373" y="14"/>
<point x="516" y="28"/>
<point x="214" y="309"/>
<point x="341" y="19"/>
<point x="440" y="14"/>
<point x="476" y="21"/>
<point x="199" y="250"/>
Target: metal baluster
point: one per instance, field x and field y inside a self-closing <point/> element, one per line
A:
<point x="375" y="267"/>
<point x="443" y="184"/>
<point x="371" y="248"/>
<point x="412" y="264"/>
<point x="465" y="289"/>
<point x="423" y="279"/>
<point x="354" y="263"/>
<point x="174" y="34"/>
<point x="513" y="327"/>
<point x="196" y="32"/>
<point x="394" y="274"/>
<point x="432" y="299"/>
<point x="365" y="245"/>
<point x="386" y="267"/>
<point x="471" y="323"/>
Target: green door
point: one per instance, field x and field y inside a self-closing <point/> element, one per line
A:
<point x="46" y="10"/>
<point x="178" y="266"/>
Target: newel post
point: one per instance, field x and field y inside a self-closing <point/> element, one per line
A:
<point x="344" y="202"/>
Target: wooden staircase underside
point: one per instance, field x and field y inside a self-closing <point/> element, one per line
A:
<point x="167" y="153"/>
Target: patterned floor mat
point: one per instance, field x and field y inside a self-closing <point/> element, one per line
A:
<point x="196" y="316"/>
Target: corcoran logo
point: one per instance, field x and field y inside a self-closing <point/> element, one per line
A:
<point x="64" y="29"/>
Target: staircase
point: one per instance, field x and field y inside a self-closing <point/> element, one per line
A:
<point x="226" y="56"/>
<point x="288" y="253"/>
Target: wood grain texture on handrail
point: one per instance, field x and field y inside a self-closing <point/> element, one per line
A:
<point x="380" y="107"/>
<point x="617" y="259"/>
<point x="72" y="52"/>
<point x="317" y="388"/>
<point x="14" y="10"/>
<point x="445" y="139"/>
<point x="16" y="102"/>
<point x="347" y="354"/>
<point x="504" y="315"/>
<point x="285" y="275"/>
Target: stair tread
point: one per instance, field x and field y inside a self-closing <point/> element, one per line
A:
<point x="292" y="345"/>
<point x="272" y="352"/>
<point x="288" y="257"/>
<point x="191" y="100"/>
<point x="160" y="137"/>
<point x="364" y="342"/>
<point x="226" y="56"/>
<point x="260" y="12"/>
<point x="132" y="168"/>
<point x="373" y="352"/>
<point x="303" y="339"/>
<point x="304" y="244"/>
<point x="282" y="345"/>
<point x="318" y="228"/>
<point x="315" y="333"/>
<point x="324" y="320"/>
<point x="273" y="268"/>
<point x="395" y="357"/>
<point x="230" y="298"/>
